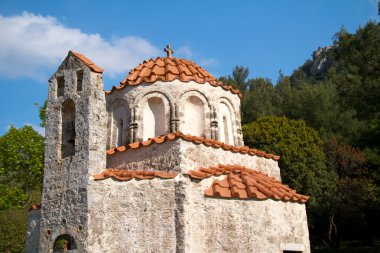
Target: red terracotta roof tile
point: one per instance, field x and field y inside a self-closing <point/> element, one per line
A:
<point x="35" y="207"/>
<point x="196" y="140"/>
<point x="168" y="69"/>
<point x="87" y="61"/>
<point x="244" y="183"/>
<point x="125" y="175"/>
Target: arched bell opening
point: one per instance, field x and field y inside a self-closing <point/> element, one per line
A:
<point x="68" y="129"/>
<point x="63" y="243"/>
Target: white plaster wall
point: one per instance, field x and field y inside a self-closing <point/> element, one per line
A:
<point x="230" y="225"/>
<point x="180" y="155"/>
<point x="194" y="118"/>
<point x="225" y="124"/>
<point x="175" y="93"/>
<point x="154" y="120"/>
<point x="134" y="216"/>
<point x="194" y="156"/>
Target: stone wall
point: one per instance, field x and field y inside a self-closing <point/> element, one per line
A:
<point x="180" y="156"/>
<point x="231" y="225"/>
<point x="134" y="216"/>
<point x="173" y="215"/>
<point x="64" y="197"/>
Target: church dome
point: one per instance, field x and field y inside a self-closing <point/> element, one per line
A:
<point x="168" y="69"/>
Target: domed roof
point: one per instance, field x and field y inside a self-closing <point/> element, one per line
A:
<point x="168" y="69"/>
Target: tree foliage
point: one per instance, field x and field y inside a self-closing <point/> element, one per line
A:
<point x="21" y="166"/>
<point x="303" y="162"/>
<point x="13" y="224"/>
<point x="336" y="92"/>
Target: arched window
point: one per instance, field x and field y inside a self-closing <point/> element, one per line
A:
<point x="64" y="243"/>
<point x="68" y="129"/>
<point x="121" y="121"/>
<point x="225" y="124"/>
<point x="154" y="120"/>
<point x="194" y="117"/>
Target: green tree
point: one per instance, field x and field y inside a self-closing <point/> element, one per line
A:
<point x="258" y="99"/>
<point x="238" y="79"/>
<point x="21" y="166"/>
<point x="13" y="224"/>
<point x="303" y="162"/>
<point x="354" y="205"/>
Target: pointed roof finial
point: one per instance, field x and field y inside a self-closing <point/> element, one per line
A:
<point x="169" y="51"/>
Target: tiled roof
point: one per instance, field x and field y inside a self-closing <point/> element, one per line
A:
<point x="168" y="69"/>
<point x="240" y="182"/>
<point x="125" y="175"/>
<point x="87" y="61"/>
<point x="244" y="183"/>
<point x="196" y="140"/>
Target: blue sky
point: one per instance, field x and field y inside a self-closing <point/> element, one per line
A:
<point x="265" y="36"/>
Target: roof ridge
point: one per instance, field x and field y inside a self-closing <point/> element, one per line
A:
<point x="239" y="182"/>
<point x="125" y="175"/>
<point x="195" y="139"/>
<point x="244" y="183"/>
<point x="87" y="61"/>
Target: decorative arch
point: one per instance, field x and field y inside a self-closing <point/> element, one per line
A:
<point x="194" y="113"/>
<point x="153" y="115"/>
<point x="68" y="133"/>
<point x="64" y="243"/>
<point x="119" y="122"/>
<point x="226" y="121"/>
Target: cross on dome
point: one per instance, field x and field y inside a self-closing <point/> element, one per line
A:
<point x="169" y="51"/>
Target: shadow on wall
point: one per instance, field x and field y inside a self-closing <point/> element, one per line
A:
<point x="64" y="243"/>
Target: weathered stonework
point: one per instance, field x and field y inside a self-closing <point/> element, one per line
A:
<point x="64" y="197"/>
<point x="220" y="225"/>
<point x="150" y="215"/>
<point x="181" y="156"/>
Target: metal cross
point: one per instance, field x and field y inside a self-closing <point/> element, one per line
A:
<point x="169" y="50"/>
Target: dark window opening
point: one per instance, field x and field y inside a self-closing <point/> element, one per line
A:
<point x="79" y="80"/>
<point x="64" y="243"/>
<point x="68" y="129"/>
<point x="61" y="86"/>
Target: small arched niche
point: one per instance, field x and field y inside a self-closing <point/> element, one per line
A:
<point x="225" y="124"/>
<point x="194" y="116"/>
<point x="154" y="118"/>
<point x="64" y="243"/>
<point x="120" y="125"/>
<point x="68" y="129"/>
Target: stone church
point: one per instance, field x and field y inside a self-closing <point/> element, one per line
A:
<point x="157" y="164"/>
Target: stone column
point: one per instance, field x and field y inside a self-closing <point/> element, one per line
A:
<point x="174" y="119"/>
<point x="214" y="123"/>
<point x="133" y="126"/>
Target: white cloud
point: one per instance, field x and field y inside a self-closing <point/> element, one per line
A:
<point x="34" y="45"/>
<point x="184" y="52"/>
<point x="208" y="62"/>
